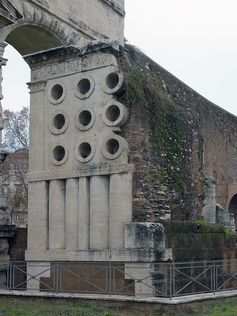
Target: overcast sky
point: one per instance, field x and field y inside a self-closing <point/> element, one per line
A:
<point x="196" y="40"/>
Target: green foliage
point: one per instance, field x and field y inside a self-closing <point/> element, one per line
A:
<point x="222" y="307"/>
<point x="230" y="238"/>
<point x="37" y="307"/>
<point x="196" y="241"/>
<point x="229" y="234"/>
<point x="170" y="134"/>
<point x="21" y="307"/>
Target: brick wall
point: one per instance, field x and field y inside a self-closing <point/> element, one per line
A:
<point x="177" y="138"/>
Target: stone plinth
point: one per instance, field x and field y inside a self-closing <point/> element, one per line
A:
<point x="145" y="236"/>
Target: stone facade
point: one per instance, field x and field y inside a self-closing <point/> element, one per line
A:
<point x="36" y="25"/>
<point x="81" y="166"/>
<point x="165" y="153"/>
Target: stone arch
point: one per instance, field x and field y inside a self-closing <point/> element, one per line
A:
<point x="233" y="209"/>
<point x="31" y="38"/>
<point x="33" y="20"/>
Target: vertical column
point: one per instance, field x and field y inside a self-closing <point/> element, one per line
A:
<point x="71" y="216"/>
<point x="209" y="209"/>
<point x="84" y="214"/>
<point x="57" y="214"/>
<point x="38" y="217"/>
<point x="99" y="212"/>
<point x="120" y="207"/>
<point x="3" y="62"/>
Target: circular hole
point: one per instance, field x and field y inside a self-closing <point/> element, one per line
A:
<point x="84" y="86"/>
<point x="59" y="121"/>
<point x="59" y="153"/>
<point x="85" y="150"/>
<point x="112" y="146"/>
<point x="57" y="92"/>
<point x="85" y="118"/>
<point x="113" y="113"/>
<point x="112" y="80"/>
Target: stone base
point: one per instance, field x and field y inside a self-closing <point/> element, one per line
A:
<point x="132" y="268"/>
<point x="35" y="272"/>
<point x="135" y="279"/>
<point x="107" y="255"/>
<point x="79" y="277"/>
<point x="141" y="273"/>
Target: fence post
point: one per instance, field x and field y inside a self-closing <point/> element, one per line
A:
<point x="8" y="276"/>
<point x="215" y="279"/>
<point x="57" y="277"/>
<point x="171" y="280"/>
<point x="110" y="281"/>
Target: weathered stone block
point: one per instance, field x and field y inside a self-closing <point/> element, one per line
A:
<point x="145" y="235"/>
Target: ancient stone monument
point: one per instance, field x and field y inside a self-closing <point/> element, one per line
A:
<point x="80" y="178"/>
<point x="119" y="154"/>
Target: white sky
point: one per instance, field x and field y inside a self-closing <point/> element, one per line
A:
<point x="196" y="40"/>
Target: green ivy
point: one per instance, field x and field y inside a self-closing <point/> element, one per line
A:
<point x="169" y="132"/>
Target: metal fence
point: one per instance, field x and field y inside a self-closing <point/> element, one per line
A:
<point x="154" y="280"/>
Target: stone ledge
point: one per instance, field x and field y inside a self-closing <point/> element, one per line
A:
<point x="88" y="172"/>
<point x="9" y="14"/>
<point x="105" y="255"/>
<point x="120" y="298"/>
<point x="115" y="6"/>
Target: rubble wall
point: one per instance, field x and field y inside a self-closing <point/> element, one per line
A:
<point x="177" y="139"/>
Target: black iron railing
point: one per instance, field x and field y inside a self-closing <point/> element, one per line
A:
<point x="154" y="280"/>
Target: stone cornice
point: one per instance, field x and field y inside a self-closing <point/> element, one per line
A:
<point x="9" y="12"/>
<point x="71" y="51"/>
<point x="116" y="7"/>
<point x="106" y="169"/>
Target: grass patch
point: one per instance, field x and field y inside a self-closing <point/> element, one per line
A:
<point x="23" y="307"/>
<point x="227" y="307"/>
<point x="39" y="307"/>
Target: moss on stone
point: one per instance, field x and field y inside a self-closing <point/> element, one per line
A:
<point x="170" y="135"/>
<point x="196" y="241"/>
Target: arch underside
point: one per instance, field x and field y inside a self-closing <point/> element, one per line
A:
<point x="61" y="23"/>
<point x="28" y="39"/>
<point x="32" y="29"/>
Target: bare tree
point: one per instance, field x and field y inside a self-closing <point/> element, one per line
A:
<point x="16" y="131"/>
<point x="14" y="168"/>
<point x="13" y="181"/>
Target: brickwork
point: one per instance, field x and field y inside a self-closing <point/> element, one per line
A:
<point x="177" y="139"/>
